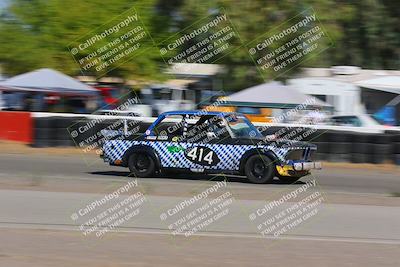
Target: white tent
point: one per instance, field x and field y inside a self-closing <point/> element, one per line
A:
<point x="47" y="80"/>
<point x="389" y="84"/>
<point x="273" y="95"/>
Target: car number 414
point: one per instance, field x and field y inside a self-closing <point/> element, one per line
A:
<point x="202" y="155"/>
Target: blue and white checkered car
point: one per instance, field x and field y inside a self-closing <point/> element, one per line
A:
<point x="210" y="142"/>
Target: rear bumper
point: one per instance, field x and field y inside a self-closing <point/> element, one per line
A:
<point x="104" y="157"/>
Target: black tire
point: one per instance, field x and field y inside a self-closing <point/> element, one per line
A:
<point x="396" y="148"/>
<point x="396" y="159"/>
<point x="382" y="139"/>
<point x="44" y="122"/>
<point x="142" y="164"/>
<point x="64" y="143"/>
<point x="364" y="138"/>
<point x="41" y="143"/>
<point x="396" y="138"/>
<point x="341" y="157"/>
<point x="321" y="156"/>
<point x="339" y="148"/>
<point x="382" y="149"/>
<point x="377" y="158"/>
<point x="359" y="158"/>
<point x="339" y="137"/>
<point x="259" y="169"/>
<point x="361" y="148"/>
<point x="62" y="134"/>
<point x="61" y="122"/>
<point x="323" y="147"/>
<point x="288" y="179"/>
<point x="323" y="136"/>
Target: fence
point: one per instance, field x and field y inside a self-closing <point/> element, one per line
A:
<point x="16" y="126"/>
<point x="334" y="144"/>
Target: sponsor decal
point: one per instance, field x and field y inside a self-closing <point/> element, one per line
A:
<point x="175" y="149"/>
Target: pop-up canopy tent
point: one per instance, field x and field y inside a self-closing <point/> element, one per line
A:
<point x="274" y="95"/>
<point x="47" y="81"/>
<point x="389" y="84"/>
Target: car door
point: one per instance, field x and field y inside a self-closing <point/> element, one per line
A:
<point x="209" y="147"/>
<point x="166" y="138"/>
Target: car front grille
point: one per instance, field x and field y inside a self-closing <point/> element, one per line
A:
<point x="301" y="154"/>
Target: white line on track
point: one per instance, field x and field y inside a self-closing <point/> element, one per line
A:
<point x="210" y="234"/>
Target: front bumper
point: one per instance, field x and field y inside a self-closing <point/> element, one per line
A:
<point x="298" y="169"/>
<point x="306" y="166"/>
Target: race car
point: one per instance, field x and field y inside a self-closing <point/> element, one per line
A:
<point x="210" y="142"/>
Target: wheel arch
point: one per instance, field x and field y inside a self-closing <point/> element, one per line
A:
<point x="144" y="149"/>
<point x="256" y="151"/>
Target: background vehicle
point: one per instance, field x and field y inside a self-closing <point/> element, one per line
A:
<point x="162" y="98"/>
<point x="254" y="114"/>
<point x="360" y="120"/>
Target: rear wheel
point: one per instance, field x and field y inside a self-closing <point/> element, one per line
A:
<point x="142" y="165"/>
<point x="260" y="169"/>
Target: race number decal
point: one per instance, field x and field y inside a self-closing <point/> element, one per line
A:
<point x="202" y="155"/>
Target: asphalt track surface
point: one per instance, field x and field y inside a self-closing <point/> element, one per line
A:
<point x="357" y="223"/>
<point x="88" y="167"/>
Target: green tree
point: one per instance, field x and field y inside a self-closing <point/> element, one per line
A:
<point x="37" y="33"/>
<point x="369" y="34"/>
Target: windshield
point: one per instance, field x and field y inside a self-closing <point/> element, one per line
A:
<point x="241" y="127"/>
<point x="162" y="94"/>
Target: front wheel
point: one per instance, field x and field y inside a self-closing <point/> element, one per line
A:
<point x="260" y="169"/>
<point x="142" y="165"/>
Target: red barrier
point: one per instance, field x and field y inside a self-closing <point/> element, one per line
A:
<point x="16" y="126"/>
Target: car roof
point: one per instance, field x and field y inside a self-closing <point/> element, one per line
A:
<point x="196" y="112"/>
<point x="186" y="112"/>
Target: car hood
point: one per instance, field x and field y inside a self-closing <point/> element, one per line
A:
<point x="279" y="143"/>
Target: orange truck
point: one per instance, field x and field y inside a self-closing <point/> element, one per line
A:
<point x="254" y="114"/>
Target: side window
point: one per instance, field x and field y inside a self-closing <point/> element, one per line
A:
<point x="189" y="95"/>
<point x="347" y="121"/>
<point x="208" y="129"/>
<point x="170" y="126"/>
<point x="196" y="126"/>
<point x="340" y="121"/>
<point x="355" y="121"/>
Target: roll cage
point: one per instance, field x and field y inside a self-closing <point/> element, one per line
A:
<point x="188" y="123"/>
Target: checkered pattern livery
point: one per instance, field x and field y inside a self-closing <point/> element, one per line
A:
<point x="185" y="125"/>
<point x="229" y="155"/>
